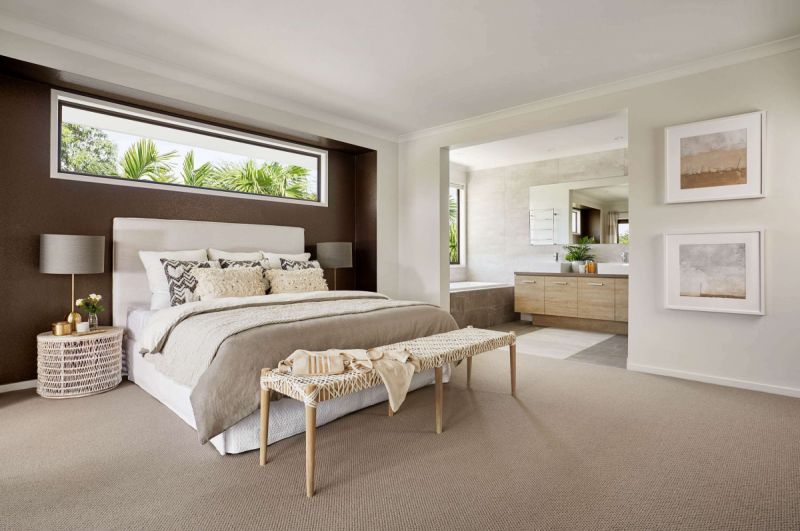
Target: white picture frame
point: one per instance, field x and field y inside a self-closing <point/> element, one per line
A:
<point x="715" y="271"/>
<point x="705" y="161"/>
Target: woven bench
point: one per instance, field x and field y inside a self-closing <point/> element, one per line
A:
<point x="432" y="352"/>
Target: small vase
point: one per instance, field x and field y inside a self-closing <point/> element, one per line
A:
<point x="93" y="321"/>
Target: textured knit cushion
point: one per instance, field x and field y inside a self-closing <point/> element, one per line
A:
<point x="294" y="265"/>
<point x="233" y="264"/>
<point x="296" y="281"/>
<point x="181" y="280"/>
<point x="230" y="282"/>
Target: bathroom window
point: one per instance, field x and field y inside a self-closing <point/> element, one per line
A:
<point x="457" y="225"/>
<point x="98" y="141"/>
<point x="623" y="231"/>
<point x="576" y="221"/>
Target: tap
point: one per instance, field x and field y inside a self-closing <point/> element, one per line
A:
<point x="555" y="256"/>
<point x="624" y="256"/>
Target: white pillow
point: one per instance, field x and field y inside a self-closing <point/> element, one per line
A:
<point x="275" y="258"/>
<point x="231" y="282"/>
<point x="159" y="287"/>
<point x="216" y="254"/>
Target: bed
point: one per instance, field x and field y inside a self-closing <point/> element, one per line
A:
<point x="217" y="402"/>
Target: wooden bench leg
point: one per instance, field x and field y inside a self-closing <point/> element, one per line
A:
<point x="513" y="358"/>
<point x="469" y="370"/>
<point x="439" y="400"/>
<point x="311" y="441"/>
<point x="264" y="433"/>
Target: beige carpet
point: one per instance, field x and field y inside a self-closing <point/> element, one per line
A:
<point x="583" y="447"/>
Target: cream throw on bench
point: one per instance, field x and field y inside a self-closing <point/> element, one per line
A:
<point x="395" y="367"/>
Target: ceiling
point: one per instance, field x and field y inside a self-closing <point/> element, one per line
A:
<point x="599" y="135"/>
<point x="410" y="65"/>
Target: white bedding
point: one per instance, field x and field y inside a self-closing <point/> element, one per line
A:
<point x="287" y="417"/>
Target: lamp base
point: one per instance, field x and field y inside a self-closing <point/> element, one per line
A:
<point x="74" y="318"/>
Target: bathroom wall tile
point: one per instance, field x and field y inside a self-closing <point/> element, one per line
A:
<point x="498" y="225"/>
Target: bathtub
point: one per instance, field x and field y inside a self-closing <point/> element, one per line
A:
<point x="469" y="286"/>
<point x="482" y="304"/>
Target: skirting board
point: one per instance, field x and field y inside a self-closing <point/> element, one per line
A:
<point x="717" y="380"/>
<point x="16" y="386"/>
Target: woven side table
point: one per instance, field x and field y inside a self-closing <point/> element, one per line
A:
<point x="72" y="366"/>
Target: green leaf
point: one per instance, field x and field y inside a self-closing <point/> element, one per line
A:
<point x="143" y="161"/>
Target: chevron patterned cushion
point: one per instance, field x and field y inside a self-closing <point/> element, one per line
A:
<point x="180" y="279"/>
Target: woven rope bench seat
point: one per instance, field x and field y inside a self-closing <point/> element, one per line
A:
<point x="431" y="352"/>
<point x="435" y="351"/>
<point x="312" y="390"/>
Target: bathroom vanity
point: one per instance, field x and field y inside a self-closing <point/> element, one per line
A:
<point x="572" y="300"/>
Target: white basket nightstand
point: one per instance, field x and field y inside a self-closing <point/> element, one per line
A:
<point x="72" y="366"/>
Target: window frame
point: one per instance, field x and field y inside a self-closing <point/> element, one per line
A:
<point x="460" y="224"/>
<point x="60" y="98"/>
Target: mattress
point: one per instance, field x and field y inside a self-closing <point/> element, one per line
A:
<point x="287" y="417"/>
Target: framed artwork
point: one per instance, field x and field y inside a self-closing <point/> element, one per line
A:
<point x="715" y="160"/>
<point x="715" y="272"/>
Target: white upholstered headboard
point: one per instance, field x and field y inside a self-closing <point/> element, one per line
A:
<point x="131" y="235"/>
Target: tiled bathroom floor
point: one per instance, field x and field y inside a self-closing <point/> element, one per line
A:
<point x="573" y="345"/>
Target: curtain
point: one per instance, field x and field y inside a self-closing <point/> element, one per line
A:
<point x="611" y="227"/>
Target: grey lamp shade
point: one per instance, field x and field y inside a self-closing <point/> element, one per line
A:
<point x="67" y="254"/>
<point x="335" y="254"/>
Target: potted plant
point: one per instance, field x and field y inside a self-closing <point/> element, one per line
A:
<point x="92" y="306"/>
<point x="579" y="253"/>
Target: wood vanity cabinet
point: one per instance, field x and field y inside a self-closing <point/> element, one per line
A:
<point x="564" y="300"/>
<point x="561" y="296"/>
<point x="529" y="294"/>
<point x="596" y="298"/>
<point x="621" y="299"/>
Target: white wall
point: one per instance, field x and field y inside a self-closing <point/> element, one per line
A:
<point x="756" y="352"/>
<point x="148" y="81"/>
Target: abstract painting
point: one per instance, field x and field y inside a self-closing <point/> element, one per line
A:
<point x="715" y="272"/>
<point x="714" y="160"/>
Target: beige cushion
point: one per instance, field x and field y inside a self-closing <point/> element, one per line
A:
<point x="232" y="282"/>
<point x="296" y="281"/>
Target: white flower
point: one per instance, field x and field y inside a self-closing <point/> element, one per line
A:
<point x="92" y="296"/>
<point x="98" y="297"/>
<point x="78" y="302"/>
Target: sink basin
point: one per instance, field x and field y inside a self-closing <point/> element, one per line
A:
<point x="550" y="267"/>
<point x="612" y="268"/>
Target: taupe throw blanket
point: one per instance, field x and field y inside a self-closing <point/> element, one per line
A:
<point x="395" y="367"/>
<point x="219" y="347"/>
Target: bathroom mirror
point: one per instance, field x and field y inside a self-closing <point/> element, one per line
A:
<point x="563" y="213"/>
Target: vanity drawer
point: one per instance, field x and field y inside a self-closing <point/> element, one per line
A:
<point x="596" y="298"/>
<point x="621" y="299"/>
<point x="529" y="294"/>
<point x="561" y="296"/>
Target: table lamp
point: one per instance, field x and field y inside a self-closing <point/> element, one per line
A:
<point x="335" y="255"/>
<point x="67" y="254"/>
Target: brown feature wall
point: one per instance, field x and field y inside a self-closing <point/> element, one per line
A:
<point x="31" y="203"/>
